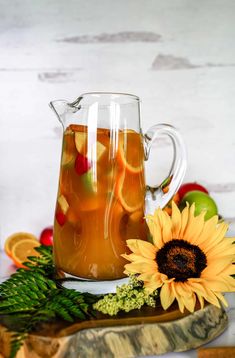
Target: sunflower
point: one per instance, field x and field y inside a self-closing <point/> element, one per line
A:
<point x="190" y="259"/>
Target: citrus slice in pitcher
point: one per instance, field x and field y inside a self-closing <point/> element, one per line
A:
<point x="130" y="154"/>
<point x="130" y="191"/>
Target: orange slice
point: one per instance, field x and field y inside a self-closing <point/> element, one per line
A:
<point x="13" y="239"/>
<point x="130" y="154"/>
<point x="22" y="249"/>
<point x="130" y="191"/>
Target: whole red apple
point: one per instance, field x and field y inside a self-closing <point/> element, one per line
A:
<point x="46" y="236"/>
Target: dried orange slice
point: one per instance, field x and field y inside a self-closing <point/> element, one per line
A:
<point x="130" y="154"/>
<point x="14" y="238"/>
<point x="130" y="191"/>
<point x="22" y="249"/>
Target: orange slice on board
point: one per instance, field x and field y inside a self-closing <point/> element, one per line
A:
<point x="15" y="238"/>
<point x="130" y="154"/>
<point x="130" y="191"/>
<point x="22" y="249"/>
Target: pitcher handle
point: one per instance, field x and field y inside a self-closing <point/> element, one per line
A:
<point x="155" y="197"/>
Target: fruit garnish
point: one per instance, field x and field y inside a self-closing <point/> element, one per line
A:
<point x="69" y="148"/>
<point x="130" y="154"/>
<point x="46" y="236"/>
<point x="22" y="249"/>
<point x="63" y="204"/>
<point x="15" y="238"/>
<point x="82" y="164"/>
<point x="80" y="141"/>
<point x="202" y="202"/>
<point x="187" y="187"/>
<point x="88" y="182"/>
<point x="60" y="217"/>
<point x="128" y="190"/>
<point x="101" y="149"/>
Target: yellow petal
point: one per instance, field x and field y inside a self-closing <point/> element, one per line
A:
<point x="137" y="258"/>
<point x="184" y="220"/>
<point x="209" y="230"/>
<point x="133" y="246"/>
<point x="215" y="266"/>
<point x="147" y="277"/>
<point x="136" y="267"/>
<point x="221" y="298"/>
<point x="176" y="220"/>
<point x="166" y="296"/>
<point x="197" y="287"/>
<point x="230" y="270"/>
<point x="182" y="289"/>
<point x="218" y="236"/>
<point x="155" y="230"/>
<point x="201" y="300"/>
<point x="178" y="298"/>
<point x="194" y="229"/>
<point x="147" y="249"/>
<point x="217" y="285"/>
<point x="221" y="248"/>
<point x="166" y="230"/>
<point x="152" y="286"/>
<point x="189" y="302"/>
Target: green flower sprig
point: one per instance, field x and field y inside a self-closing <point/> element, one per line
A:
<point x="127" y="297"/>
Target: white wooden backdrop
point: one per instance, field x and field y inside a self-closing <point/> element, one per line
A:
<point x="177" y="55"/>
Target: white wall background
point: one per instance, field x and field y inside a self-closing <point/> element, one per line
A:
<point x="177" y="55"/>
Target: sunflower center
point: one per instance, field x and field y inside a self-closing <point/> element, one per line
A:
<point x="181" y="260"/>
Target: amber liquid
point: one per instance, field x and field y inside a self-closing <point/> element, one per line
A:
<point x="100" y="201"/>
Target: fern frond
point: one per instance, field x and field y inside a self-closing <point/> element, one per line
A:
<point x="33" y="295"/>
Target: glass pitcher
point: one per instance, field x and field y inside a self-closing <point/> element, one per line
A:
<point x="102" y="195"/>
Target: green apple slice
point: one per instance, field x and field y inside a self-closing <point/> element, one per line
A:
<point x="89" y="185"/>
<point x="63" y="204"/>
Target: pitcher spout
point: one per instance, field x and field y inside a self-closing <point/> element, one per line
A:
<point x="60" y="108"/>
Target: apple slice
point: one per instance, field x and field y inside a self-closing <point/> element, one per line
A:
<point x="80" y="141"/>
<point x="88" y="182"/>
<point x="61" y="210"/>
<point x="68" y="148"/>
<point x="100" y="150"/>
<point x="64" y="206"/>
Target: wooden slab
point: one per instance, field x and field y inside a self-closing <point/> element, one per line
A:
<point x="145" y="332"/>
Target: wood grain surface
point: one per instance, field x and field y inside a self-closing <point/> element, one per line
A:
<point x="146" y="332"/>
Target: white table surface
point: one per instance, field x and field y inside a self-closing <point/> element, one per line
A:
<point x="226" y="339"/>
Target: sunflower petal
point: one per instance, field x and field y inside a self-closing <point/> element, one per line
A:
<point x="209" y="230"/>
<point x="189" y="302"/>
<point x="184" y="220"/>
<point x="155" y="230"/>
<point x="166" y="230"/>
<point x="152" y="286"/>
<point x="178" y="298"/>
<point x="136" y="267"/>
<point x="221" y="298"/>
<point x="166" y="296"/>
<point x="194" y="228"/>
<point x="201" y="300"/>
<point x="176" y="220"/>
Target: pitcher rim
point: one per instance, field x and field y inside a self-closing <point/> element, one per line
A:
<point x="133" y="96"/>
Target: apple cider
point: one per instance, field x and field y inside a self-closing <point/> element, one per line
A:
<point x="100" y="201"/>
